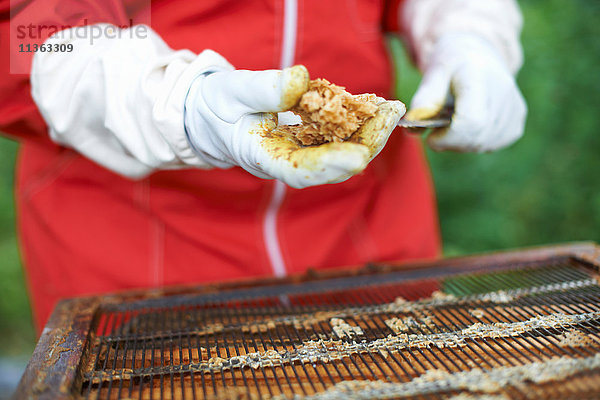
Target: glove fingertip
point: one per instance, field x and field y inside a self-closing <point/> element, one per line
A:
<point x="330" y="163"/>
<point x="451" y="140"/>
<point x="433" y="141"/>
<point x="422" y="113"/>
<point x="349" y="159"/>
<point x="295" y="81"/>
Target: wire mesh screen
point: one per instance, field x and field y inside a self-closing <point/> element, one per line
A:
<point x="525" y="331"/>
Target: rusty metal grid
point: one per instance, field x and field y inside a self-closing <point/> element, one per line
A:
<point x="524" y="331"/>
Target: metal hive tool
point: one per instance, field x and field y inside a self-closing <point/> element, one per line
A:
<point x="523" y="327"/>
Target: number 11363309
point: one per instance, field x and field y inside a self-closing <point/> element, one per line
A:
<point x="46" y="48"/>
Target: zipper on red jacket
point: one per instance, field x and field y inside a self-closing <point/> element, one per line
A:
<point x="270" y="232"/>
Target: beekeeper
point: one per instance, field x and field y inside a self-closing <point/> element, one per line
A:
<point x="141" y="163"/>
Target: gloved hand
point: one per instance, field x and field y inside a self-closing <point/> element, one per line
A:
<point x="230" y="119"/>
<point x="489" y="110"/>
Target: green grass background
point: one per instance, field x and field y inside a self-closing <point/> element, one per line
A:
<point x="544" y="189"/>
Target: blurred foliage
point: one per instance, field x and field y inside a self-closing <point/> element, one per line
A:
<point x="544" y="189"/>
<point x="17" y="336"/>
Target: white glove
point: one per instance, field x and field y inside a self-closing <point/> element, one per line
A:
<point x="230" y="118"/>
<point x="120" y="102"/>
<point x="489" y="110"/>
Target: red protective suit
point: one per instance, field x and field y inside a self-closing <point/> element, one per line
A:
<point x="86" y="230"/>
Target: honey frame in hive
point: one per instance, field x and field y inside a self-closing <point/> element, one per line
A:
<point x="67" y="345"/>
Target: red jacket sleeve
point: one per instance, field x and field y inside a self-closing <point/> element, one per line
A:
<point x="391" y="15"/>
<point x="31" y="22"/>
